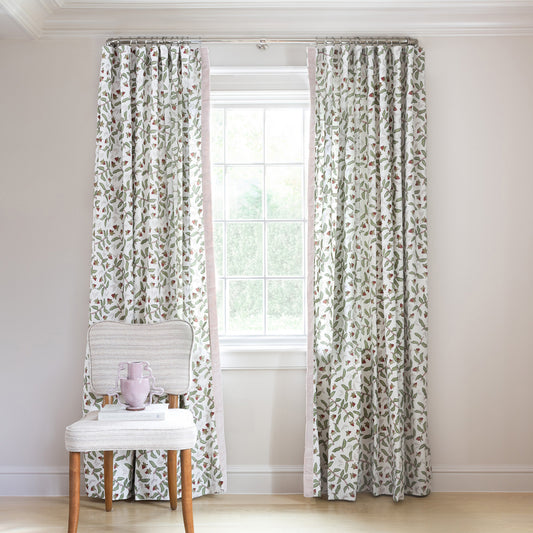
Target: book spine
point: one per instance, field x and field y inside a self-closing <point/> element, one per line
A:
<point x="123" y="416"/>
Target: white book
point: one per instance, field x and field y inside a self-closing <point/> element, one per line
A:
<point x="156" y="411"/>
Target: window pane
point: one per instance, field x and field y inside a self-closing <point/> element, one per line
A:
<point x="244" y="248"/>
<point x="218" y="192"/>
<point x="217" y="135"/>
<point x="218" y="238"/>
<point x="244" y="136"/>
<point x="284" y="191"/>
<point x="285" y="249"/>
<point x="284" y="135"/>
<point x="258" y="170"/>
<point x="244" y="186"/>
<point x="245" y="306"/>
<point x="285" y="305"/>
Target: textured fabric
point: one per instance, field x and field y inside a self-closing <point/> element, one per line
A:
<point x="166" y="346"/>
<point x="369" y="427"/>
<point x="148" y="257"/>
<point x="176" y="432"/>
<point x="309" y="383"/>
<point x="211" y="278"/>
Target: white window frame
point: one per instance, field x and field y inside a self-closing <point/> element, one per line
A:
<point x="260" y="351"/>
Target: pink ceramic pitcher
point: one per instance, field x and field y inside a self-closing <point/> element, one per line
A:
<point x="136" y="387"/>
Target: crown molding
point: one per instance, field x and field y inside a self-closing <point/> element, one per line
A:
<point x="31" y="14"/>
<point x="28" y="13"/>
<point x="52" y="19"/>
<point x="242" y="4"/>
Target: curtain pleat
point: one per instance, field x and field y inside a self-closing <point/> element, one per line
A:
<point x="367" y="420"/>
<point x="148" y="260"/>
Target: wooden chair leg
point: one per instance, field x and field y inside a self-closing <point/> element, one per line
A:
<point x="108" y="480"/>
<point x="73" y="491"/>
<point x="186" y="490"/>
<point x="172" y="465"/>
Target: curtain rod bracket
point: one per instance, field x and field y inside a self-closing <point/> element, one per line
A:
<point x="262" y="45"/>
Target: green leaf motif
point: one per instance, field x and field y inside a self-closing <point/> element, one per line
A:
<point x="370" y="272"/>
<point x="148" y="261"/>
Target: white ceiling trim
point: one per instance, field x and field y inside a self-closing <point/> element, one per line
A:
<point x="30" y="14"/>
<point x="357" y="4"/>
<point x="275" y="18"/>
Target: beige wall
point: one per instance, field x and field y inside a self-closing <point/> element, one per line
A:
<point x="47" y="131"/>
<point x="481" y="252"/>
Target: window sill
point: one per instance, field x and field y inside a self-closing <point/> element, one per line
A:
<point x="263" y="353"/>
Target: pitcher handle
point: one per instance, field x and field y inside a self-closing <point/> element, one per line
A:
<point x="148" y="369"/>
<point x="158" y="391"/>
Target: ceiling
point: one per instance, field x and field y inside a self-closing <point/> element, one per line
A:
<point x="56" y="19"/>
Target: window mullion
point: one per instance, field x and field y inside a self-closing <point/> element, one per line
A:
<point x="287" y="319"/>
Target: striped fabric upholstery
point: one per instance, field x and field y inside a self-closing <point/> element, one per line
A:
<point x="166" y="346"/>
<point x="176" y="432"/>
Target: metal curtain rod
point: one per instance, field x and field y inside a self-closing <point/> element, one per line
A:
<point x="263" y="43"/>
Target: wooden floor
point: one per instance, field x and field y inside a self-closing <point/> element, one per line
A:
<point x="439" y="512"/>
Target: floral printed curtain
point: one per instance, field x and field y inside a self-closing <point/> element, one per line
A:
<point x="149" y="248"/>
<point x="367" y="427"/>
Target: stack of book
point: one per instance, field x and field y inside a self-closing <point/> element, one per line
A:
<point x="157" y="411"/>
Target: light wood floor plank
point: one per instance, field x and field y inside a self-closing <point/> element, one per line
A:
<point x="438" y="513"/>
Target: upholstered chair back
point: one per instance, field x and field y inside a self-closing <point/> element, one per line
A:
<point x="166" y="346"/>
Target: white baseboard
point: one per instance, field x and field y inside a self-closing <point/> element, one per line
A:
<point x="482" y="478"/>
<point x="265" y="479"/>
<point x="33" y="481"/>
<point x="284" y="479"/>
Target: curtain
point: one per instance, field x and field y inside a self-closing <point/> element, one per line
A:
<point x="367" y="415"/>
<point x="149" y="245"/>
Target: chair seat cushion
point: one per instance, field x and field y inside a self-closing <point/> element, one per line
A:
<point x="176" y="432"/>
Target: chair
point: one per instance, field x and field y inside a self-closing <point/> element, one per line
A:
<point x="167" y="347"/>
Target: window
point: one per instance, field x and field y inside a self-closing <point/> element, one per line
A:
<point x="259" y="156"/>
